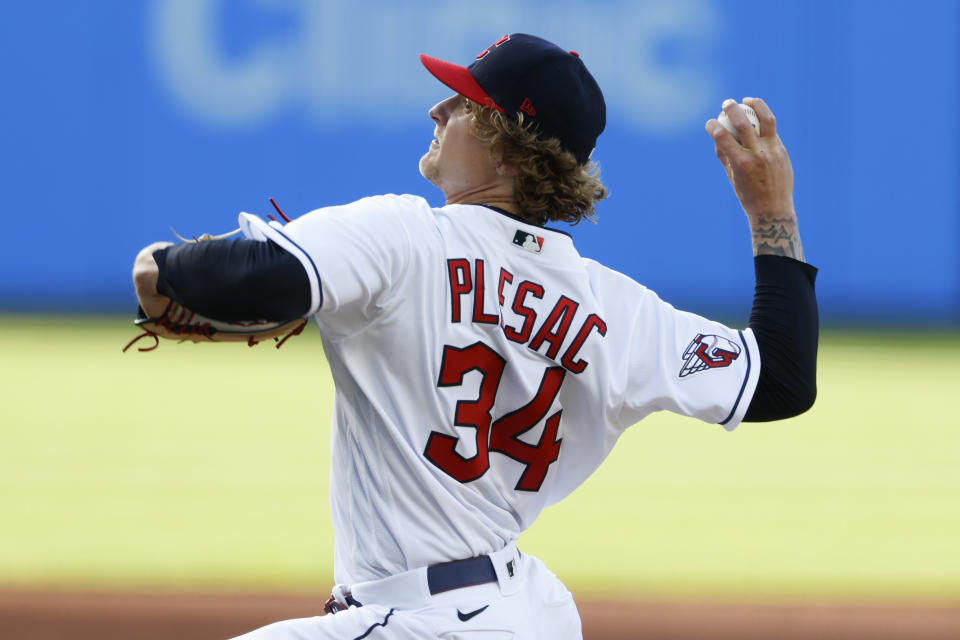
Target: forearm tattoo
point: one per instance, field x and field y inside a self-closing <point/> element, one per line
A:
<point x="776" y="236"/>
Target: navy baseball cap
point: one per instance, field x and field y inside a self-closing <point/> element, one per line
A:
<point x="525" y="74"/>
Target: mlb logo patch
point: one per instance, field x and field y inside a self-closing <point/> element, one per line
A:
<point x="528" y="241"/>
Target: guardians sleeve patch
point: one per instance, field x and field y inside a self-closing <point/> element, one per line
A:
<point x="708" y="352"/>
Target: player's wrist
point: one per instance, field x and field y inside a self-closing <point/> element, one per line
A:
<point x="146" y="274"/>
<point x="776" y="234"/>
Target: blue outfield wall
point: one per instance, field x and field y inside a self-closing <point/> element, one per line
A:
<point x="121" y="118"/>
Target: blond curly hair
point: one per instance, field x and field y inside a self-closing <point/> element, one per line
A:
<point x="550" y="184"/>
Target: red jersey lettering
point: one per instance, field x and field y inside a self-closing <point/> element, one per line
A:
<point x="459" y="270"/>
<point x="593" y="322"/>
<point x="529" y="315"/>
<point x="560" y="318"/>
<point x="479" y="317"/>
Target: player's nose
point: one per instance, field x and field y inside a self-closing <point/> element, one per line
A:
<point x="435" y="114"/>
<point x="441" y="111"/>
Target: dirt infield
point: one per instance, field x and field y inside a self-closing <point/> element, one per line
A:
<point x="101" y="616"/>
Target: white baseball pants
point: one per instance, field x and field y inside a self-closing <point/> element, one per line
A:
<point x="527" y="601"/>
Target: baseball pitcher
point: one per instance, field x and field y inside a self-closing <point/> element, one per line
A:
<point x="483" y="368"/>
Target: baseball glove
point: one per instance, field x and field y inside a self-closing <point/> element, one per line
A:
<point x="180" y="323"/>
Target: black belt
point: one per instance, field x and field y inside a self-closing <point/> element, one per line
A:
<point x="460" y="573"/>
<point x="441" y="577"/>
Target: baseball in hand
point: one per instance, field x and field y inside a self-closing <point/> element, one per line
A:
<point x="751" y="116"/>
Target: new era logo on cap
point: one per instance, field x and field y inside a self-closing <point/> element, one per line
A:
<point x="528" y="241"/>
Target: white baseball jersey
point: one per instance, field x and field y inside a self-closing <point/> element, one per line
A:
<point x="483" y="370"/>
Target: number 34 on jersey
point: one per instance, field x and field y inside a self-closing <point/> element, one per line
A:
<point x="502" y="435"/>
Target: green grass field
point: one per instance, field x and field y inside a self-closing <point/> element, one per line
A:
<point x="205" y="467"/>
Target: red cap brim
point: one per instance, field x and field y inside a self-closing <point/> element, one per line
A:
<point x="459" y="79"/>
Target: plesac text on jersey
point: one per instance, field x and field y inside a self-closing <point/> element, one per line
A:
<point x="467" y="286"/>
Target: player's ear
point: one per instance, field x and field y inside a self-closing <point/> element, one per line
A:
<point x="506" y="170"/>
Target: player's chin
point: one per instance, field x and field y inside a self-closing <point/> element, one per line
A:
<point x="429" y="166"/>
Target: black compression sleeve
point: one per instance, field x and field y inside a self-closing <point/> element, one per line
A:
<point x="785" y="323"/>
<point x="235" y="280"/>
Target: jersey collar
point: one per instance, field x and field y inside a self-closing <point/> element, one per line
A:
<point x="513" y="216"/>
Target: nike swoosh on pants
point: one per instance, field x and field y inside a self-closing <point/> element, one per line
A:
<point x="466" y="616"/>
